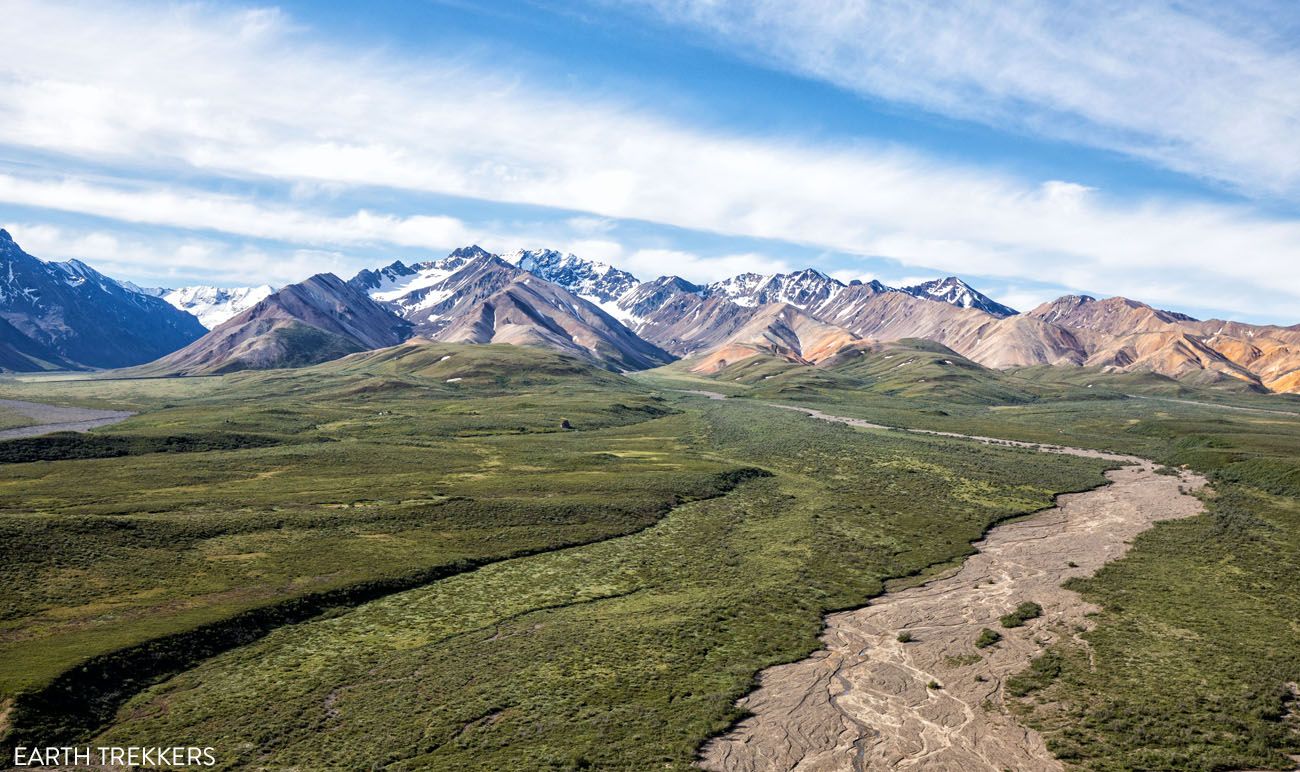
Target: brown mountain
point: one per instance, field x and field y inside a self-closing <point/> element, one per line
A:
<point x="998" y="342"/>
<point x="317" y="320"/>
<point x="779" y="330"/>
<point x="1128" y="335"/>
<point x="1117" y="333"/>
<point x="487" y="300"/>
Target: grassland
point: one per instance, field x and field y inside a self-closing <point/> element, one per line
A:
<point x="629" y="577"/>
<point x="345" y="476"/>
<point x="624" y="654"/>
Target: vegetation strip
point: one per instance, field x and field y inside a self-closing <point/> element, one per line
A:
<point x="82" y="699"/>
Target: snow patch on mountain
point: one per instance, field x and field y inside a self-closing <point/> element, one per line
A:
<point x="393" y="282"/>
<point x="214" y="305"/>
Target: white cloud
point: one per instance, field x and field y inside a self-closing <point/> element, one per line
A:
<point x="1023" y="299"/>
<point x="699" y="268"/>
<point x="171" y="261"/>
<point x="231" y="214"/>
<point x="1191" y="85"/>
<point x="245" y="94"/>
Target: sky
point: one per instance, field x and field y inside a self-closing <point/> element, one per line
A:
<point x="1144" y="149"/>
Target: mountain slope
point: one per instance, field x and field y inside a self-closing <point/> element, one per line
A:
<point x="681" y="317"/>
<point x="1014" y="341"/>
<point x="779" y="330"/>
<point x="485" y="299"/>
<point x="317" y="320"/>
<point x="808" y="289"/>
<point x="398" y="280"/>
<point x="1112" y="316"/>
<point x="69" y="315"/>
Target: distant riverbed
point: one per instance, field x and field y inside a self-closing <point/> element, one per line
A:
<point x="55" y="418"/>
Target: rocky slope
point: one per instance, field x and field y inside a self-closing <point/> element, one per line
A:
<point x="597" y="282"/>
<point x="67" y="315"/>
<point x="808" y="289"/>
<point x="781" y="330"/>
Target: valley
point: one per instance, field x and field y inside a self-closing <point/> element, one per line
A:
<point x="480" y="502"/>
<point x="415" y="536"/>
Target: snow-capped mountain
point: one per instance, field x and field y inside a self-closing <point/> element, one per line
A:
<point x="802" y="289"/>
<point x="598" y="282"/>
<point x="397" y="280"/>
<point x="474" y="296"/>
<point x="958" y="293"/>
<point x="212" y="305"/>
<point x="68" y="315"/>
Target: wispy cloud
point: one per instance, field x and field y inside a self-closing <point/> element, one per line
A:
<point x="198" y="91"/>
<point x="1193" y="86"/>
<point x="201" y="210"/>
<point x="171" y="260"/>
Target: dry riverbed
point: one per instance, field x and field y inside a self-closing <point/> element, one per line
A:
<point x="870" y="701"/>
<point x="53" y="418"/>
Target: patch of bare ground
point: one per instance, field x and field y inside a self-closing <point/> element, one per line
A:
<point x="901" y="684"/>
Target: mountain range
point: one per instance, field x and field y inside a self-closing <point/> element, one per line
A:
<point x="67" y="315"/>
<point x="602" y="314"/>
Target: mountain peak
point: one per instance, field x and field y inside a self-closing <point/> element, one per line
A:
<point x="470" y="252"/>
<point x="954" y="291"/>
<point x="4" y="236"/>
<point x="70" y="315"/>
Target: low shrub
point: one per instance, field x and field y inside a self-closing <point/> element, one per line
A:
<point x="1023" y="613"/>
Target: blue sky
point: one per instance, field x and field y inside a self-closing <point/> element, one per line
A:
<point x="1035" y="149"/>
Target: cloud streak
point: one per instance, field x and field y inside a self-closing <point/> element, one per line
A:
<point x="201" y="210"/>
<point x="1190" y="85"/>
<point x="248" y="95"/>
